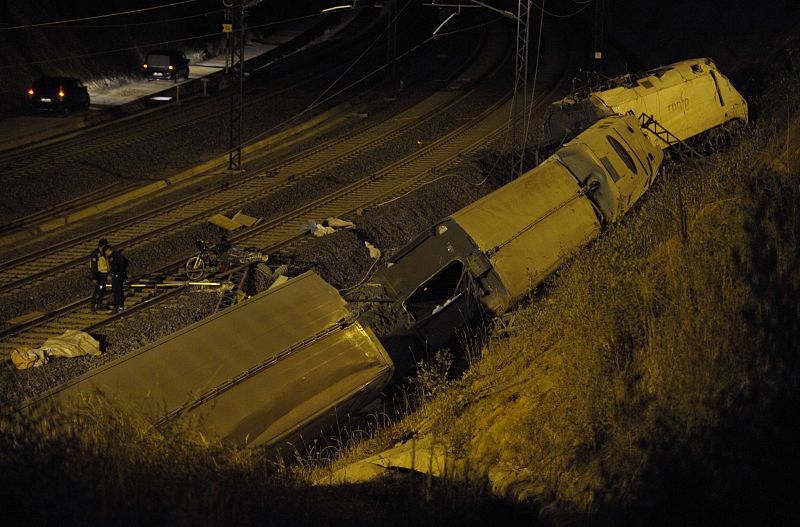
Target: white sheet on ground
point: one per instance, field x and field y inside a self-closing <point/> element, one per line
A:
<point x="71" y="343"/>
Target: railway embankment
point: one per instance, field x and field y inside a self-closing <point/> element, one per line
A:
<point x="655" y="376"/>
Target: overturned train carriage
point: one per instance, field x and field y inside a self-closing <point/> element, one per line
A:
<point x="685" y="99"/>
<point x="490" y="254"/>
<point x="277" y="369"/>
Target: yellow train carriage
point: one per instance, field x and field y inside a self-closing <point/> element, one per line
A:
<point x="276" y="370"/>
<point x="686" y="99"/>
<point x="490" y="254"/>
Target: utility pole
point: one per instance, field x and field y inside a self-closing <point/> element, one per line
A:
<point x="234" y="11"/>
<point x="519" y="102"/>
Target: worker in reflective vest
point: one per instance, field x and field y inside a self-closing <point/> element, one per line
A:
<point x="98" y="264"/>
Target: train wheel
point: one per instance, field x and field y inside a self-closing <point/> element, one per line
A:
<point x="195" y="268"/>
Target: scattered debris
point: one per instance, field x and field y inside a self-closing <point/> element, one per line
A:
<point x="71" y="343"/>
<point x="278" y="281"/>
<point x="264" y="270"/>
<point x="241" y="256"/>
<point x="328" y="226"/>
<point x="266" y="278"/>
<point x="374" y="252"/>
<point x="238" y="221"/>
<point x="209" y="286"/>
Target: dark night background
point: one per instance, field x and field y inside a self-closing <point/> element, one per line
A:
<point x="751" y="42"/>
<point x="740" y="36"/>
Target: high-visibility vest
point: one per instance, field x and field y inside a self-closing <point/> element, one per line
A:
<point x="102" y="264"/>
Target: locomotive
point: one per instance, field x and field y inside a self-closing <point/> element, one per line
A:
<point x="685" y="99"/>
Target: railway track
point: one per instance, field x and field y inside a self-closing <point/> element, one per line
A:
<point x="17" y="165"/>
<point x="159" y="223"/>
<point x="141" y="131"/>
<point x="281" y="233"/>
<point x="175" y="217"/>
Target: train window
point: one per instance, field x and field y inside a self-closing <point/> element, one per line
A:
<point x="622" y="153"/>
<point x="437" y="291"/>
<point x="610" y="168"/>
<point x="696" y="68"/>
<point x="645" y="83"/>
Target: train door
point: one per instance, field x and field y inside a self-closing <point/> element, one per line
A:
<point x="716" y="88"/>
<point x="705" y="100"/>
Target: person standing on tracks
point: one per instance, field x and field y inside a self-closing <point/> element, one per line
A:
<point x="118" y="269"/>
<point x="98" y="264"/>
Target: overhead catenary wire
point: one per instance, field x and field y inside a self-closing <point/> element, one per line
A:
<point x="128" y="24"/>
<point x="361" y="56"/>
<point x="556" y="15"/>
<point x="535" y="74"/>
<point x="369" y="47"/>
<point x="321" y="98"/>
<point x="376" y="71"/>
<point x="96" y="17"/>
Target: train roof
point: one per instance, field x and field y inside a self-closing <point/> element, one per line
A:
<point x="524" y="226"/>
<point x="655" y="80"/>
<point x="254" y="374"/>
<point x="501" y="215"/>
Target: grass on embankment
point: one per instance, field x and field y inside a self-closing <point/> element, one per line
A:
<point x="655" y="381"/>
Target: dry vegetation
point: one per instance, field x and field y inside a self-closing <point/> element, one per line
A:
<point x="654" y="380"/>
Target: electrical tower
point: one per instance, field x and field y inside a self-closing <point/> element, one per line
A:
<point x="519" y="102"/>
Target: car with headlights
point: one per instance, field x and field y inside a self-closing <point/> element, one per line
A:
<point x="60" y="94"/>
<point x="166" y="64"/>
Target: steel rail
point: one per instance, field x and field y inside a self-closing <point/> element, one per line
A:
<point x="48" y="264"/>
<point x="369" y="190"/>
<point x="281" y="233"/>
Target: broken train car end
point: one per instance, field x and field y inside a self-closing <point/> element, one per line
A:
<point x="490" y="254"/>
<point x="276" y="370"/>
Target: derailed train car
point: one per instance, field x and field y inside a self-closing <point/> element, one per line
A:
<point x="275" y="370"/>
<point x="488" y="255"/>
<point x="686" y="99"/>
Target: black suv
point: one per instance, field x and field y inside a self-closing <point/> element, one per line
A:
<point x="61" y="94"/>
<point x="166" y="64"/>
